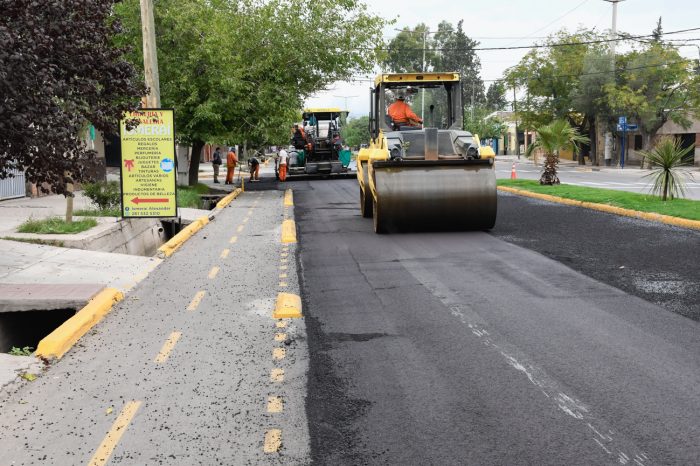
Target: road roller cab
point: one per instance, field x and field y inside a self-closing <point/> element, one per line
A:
<point x="428" y="176"/>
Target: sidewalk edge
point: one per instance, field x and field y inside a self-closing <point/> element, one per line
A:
<point x="650" y="216"/>
<point x="58" y="342"/>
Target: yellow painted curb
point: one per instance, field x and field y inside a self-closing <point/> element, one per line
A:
<point x="288" y="306"/>
<point x="64" y="337"/>
<point x="289" y="231"/>
<point x="288" y="198"/>
<point x="186" y="233"/>
<point x="230" y="197"/>
<point x="650" y="216"/>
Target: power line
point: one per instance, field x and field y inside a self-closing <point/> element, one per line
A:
<point x="621" y="37"/>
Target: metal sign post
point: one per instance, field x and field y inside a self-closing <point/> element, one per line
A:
<point x="148" y="164"/>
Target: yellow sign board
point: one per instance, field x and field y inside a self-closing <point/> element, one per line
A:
<point x="149" y="176"/>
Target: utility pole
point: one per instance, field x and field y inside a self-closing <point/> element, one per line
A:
<point x="515" y="115"/>
<point x="613" y="36"/>
<point x="425" y="38"/>
<point x="150" y="55"/>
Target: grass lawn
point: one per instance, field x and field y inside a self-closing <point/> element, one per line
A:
<point x="683" y="208"/>
<point x="114" y="212"/>
<point x="188" y="196"/>
<point x="56" y="226"/>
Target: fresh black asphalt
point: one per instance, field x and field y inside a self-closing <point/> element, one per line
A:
<point x="560" y="337"/>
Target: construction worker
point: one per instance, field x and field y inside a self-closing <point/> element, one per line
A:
<point x="401" y="114"/>
<point x="216" y="163"/>
<point x="254" y="169"/>
<point x="298" y="137"/>
<point x="231" y="161"/>
<point x="283" y="164"/>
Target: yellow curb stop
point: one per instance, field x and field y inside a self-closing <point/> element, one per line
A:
<point x="289" y="231"/>
<point x="186" y="233"/>
<point x="58" y="342"/>
<point x="288" y="306"/>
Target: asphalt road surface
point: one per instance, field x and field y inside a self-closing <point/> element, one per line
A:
<point x="563" y="336"/>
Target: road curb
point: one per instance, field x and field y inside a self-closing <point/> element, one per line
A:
<point x="650" y="216"/>
<point x="58" y="342"/>
<point x="169" y="248"/>
<point x="227" y="200"/>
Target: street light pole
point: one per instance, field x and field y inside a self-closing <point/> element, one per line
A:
<point x="346" y="97"/>
<point x="150" y="55"/>
<point x="613" y="43"/>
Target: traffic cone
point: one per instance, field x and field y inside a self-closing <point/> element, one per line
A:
<point x="513" y="175"/>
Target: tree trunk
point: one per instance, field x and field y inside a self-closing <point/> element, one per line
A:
<point x="549" y="175"/>
<point x="69" y="199"/>
<point x="197" y="147"/>
<point x="592" y="143"/>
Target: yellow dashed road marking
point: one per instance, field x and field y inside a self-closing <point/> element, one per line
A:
<point x="283" y="284"/>
<point x="284" y="254"/>
<point x="273" y="440"/>
<point x="196" y="300"/>
<point x="245" y="220"/>
<point x="240" y="228"/>
<point x="289" y="232"/>
<point x="275" y="404"/>
<point x="224" y="253"/>
<point x="283" y="275"/>
<point x="233" y="239"/>
<point x="167" y="347"/>
<point x="281" y="324"/>
<point x="277" y="375"/>
<point x="280" y="336"/>
<point x="104" y="451"/>
<point x="278" y="353"/>
<point x="284" y="261"/>
<point x="283" y="267"/>
<point x="212" y="273"/>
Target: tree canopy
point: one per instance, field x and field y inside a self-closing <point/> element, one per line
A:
<point x="239" y="72"/>
<point x="59" y="72"/>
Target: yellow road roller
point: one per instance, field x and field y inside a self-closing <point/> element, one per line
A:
<point x="422" y="171"/>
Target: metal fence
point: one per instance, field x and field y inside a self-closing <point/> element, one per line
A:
<point x="13" y="187"/>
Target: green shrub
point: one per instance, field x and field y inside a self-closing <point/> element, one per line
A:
<point x="104" y="194"/>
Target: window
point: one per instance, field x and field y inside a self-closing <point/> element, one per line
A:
<point x="638" y="143"/>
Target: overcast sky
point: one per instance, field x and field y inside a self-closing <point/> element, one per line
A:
<point x="498" y="23"/>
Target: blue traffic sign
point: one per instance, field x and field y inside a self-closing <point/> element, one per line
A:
<point x="622" y="120"/>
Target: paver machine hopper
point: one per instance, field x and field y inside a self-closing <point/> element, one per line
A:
<point x="428" y="176"/>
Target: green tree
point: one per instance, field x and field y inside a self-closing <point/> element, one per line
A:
<point x="496" y="96"/>
<point x="483" y="125"/>
<point x="239" y="72"/>
<point x="551" y="139"/>
<point x="455" y="52"/>
<point x="356" y="131"/>
<point x="552" y="76"/>
<point x="655" y="85"/>
<point x="59" y="72"/>
<point x="405" y="51"/>
<point x="669" y="168"/>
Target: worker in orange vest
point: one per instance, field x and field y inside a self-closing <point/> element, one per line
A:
<point x="401" y="113"/>
<point x="231" y="161"/>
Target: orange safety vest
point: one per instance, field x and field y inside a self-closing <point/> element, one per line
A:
<point x="400" y="112"/>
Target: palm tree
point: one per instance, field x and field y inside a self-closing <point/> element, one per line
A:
<point x="667" y="168"/>
<point x="551" y="139"/>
